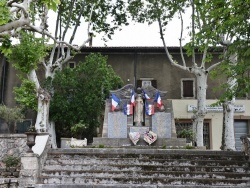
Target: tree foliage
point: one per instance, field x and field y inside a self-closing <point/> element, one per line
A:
<point x="11" y="115"/>
<point x="27" y="55"/>
<point x="230" y="20"/>
<point x="26" y="95"/>
<point x="5" y="12"/>
<point x="79" y="93"/>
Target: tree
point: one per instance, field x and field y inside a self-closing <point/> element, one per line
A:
<point x="79" y="95"/>
<point x="33" y="16"/>
<point x="163" y="12"/>
<point x="11" y="115"/>
<point x="213" y="23"/>
<point x="229" y="21"/>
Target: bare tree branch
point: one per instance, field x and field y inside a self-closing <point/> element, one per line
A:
<point x="89" y="28"/>
<point x="14" y="25"/>
<point x="204" y="57"/>
<point x="68" y="20"/>
<point x="77" y="24"/>
<point x="180" y="39"/>
<point x="213" y="66"/>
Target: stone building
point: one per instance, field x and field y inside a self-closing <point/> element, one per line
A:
<point x="149" y="65"/>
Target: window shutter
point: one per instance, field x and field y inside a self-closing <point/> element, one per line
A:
<point x="188" y="88"/>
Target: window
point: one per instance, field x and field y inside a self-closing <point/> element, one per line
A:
<point x="144" y="82"/>
<point x="72" y="64"/>
<point x="187" y="88"/>
<point x="22" y="127"/>
<point x="187" y="124"/>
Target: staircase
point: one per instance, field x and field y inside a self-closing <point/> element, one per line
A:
<point x="149" y="168"/>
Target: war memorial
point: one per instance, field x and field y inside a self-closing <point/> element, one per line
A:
<point x="139" y="112"/>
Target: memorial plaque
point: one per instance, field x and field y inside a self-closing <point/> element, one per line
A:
<point x="139" y="129"/>
<point x="161" y="124"/>
<point x="117" y="125"/>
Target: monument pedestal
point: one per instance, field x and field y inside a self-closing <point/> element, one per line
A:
<point x="30" y="170"/>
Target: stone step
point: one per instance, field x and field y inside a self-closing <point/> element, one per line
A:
<point x="134" y="186"/>
<point x="169" y="162"/>
<point x="144" y="174"/>
<point x="147" y="167"/>
<point x="144" y="154"/>
<point x="141" y="150"/>
<point x="144" y="181"/>
<point x="135" y="167"/>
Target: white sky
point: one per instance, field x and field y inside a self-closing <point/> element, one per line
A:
<point x="134" y="35"/>
<point x="142" y="35"/>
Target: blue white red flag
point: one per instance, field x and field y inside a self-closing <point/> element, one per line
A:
<point x="128" y="109"/>
<point x="145" y="95"/>
<point x="150" y="110"/>
<point x="115" y="101"/>
<point x="158" y="99"/>
<point x="132" y="101"/>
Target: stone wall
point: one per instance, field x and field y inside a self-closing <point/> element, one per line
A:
<point x="12" y="144"/>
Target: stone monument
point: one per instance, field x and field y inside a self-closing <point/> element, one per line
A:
<point x="139" y="110"/>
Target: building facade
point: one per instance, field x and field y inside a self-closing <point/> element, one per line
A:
<point x="150" y="65"/>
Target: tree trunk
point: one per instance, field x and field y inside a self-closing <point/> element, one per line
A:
<point x="201" y="76"/>
<point x="43" y="104"/>
<point x="52" y="132"/>
<point x="42" y="119"/>
<point x="229" y="126"/>
<point x="228" y="108"/>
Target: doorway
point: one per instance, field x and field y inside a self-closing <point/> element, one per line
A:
<point x="240" y="129"/>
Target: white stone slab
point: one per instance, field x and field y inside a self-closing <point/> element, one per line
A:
<point x="117" y="125"/>
<point x="161" y="124"/>
<point x="41" y="141"/>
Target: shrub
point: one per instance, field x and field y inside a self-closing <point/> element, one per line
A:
<point x="11" y="161"/>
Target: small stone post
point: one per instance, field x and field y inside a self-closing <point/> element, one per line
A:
<point x="29" y="170"/>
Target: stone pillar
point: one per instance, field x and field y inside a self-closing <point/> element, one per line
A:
<point x="29" y="170"/>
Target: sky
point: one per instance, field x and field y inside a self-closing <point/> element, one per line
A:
<point x="134" y="34"/>
<point x="142" y="35"/>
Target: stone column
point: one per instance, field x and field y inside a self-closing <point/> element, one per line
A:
<point x="29" y="170"/>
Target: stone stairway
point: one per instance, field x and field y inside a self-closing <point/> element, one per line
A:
<point x="149" y="168"/>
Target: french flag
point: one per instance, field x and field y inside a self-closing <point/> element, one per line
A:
<point x="150" y="109"/>
<point x="115" y="102"/>
<point x="132" y="101"/>
<point x="145" y="95"/>
<point x="128" y="109"/>
<point x="158" y="99"/>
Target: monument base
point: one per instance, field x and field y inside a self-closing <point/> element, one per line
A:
<point x="121" y="142"/>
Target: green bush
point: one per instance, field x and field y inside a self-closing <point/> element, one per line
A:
<point x="189" y="147"/>
<point x="11" y="161"/>
<point x="185" y="133"/>
<point x="101" y="146"/>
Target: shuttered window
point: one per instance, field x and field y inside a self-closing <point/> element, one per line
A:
<point x="187" y="88"/>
